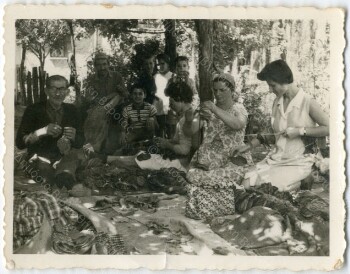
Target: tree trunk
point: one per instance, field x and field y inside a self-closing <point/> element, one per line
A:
<point x="42" y="81"/>
<point x="42" y="95"/>
<point x="72" y="62"/>
<point x="35" y="84"/>
<point x="29" y="89"/>
<point x="170" y="41"/>
<point x="204" y="29"/>
<point x="23" y="75"/>
<point x="42" y="62"/>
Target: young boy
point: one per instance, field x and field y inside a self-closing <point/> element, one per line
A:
<point x="182" y="75"/>
<point x="147" y="81"/>
<point x="179" y="146"/>
<point x="139" y="117"/>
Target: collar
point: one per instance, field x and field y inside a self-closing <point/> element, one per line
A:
<point x="296" y="101"/>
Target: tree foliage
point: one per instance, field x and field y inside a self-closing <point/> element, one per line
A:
<point x="42" y="36"/>
<point x="239" y="37"/>
<point x="245" y="42"/>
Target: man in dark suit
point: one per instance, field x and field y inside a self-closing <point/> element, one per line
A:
<point x="51" y="132"/>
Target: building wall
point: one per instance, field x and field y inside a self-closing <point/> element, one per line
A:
<point x="59" y="65"/>
<point x="52" y="65"/>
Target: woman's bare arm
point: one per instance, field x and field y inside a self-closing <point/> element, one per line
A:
<point x="235" y="121"/>
<point x="321" y="118"/>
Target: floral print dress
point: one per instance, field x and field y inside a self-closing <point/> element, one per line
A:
<point x="212" y="175"/>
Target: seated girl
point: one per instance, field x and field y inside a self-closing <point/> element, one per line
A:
<point x="181" y="97"/>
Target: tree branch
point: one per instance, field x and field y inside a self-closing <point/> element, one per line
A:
<point x="149" y="32"/>
<point x="48" y="52"/>
<point x="34" y="51"/>
<point x="140" y="31"/>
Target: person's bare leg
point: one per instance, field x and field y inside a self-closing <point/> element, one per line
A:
<point x="246" y="183"/>
<point x="307" y="183"/>
<point x="126" y="162"/>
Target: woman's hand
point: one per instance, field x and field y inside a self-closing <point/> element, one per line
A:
<point x="205" y="113"/>
<point x="240" y="149"/>
<point x="236" y="120"/>
<point x="209" y="105"/>
<point x="291" y="133"/>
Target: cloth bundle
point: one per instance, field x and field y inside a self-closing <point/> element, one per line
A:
<point x="29" y="211"/>
<point x="71" y="233"/>
<point x="109" y="244"/>
<point x="68" y="239"/>
<point x="264" y="195"/>
<point x="289" y="218"/>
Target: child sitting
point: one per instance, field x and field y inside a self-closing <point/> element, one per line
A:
<point x="181" y="97"/>
<point x="182" y="75"/>
<point x="139" y="117"/>
<point x="179" y="146"/>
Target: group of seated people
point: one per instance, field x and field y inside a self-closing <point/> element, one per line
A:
<point x="163" y="109"/>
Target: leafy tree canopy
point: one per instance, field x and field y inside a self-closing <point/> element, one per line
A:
<point x="41" y="36"/>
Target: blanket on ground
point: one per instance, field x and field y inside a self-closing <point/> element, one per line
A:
<point x="276" y="223"/>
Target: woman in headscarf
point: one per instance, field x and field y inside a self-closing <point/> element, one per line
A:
<point x="212" y="175"/>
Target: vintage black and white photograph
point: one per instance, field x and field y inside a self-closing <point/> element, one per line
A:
<point x="202" y="137"/>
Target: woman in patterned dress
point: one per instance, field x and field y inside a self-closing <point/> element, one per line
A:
<point x="212" y="175"/>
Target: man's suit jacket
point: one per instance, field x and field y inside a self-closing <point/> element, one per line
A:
<point x="36" y="117"/>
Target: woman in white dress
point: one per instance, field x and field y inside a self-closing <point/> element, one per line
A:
<point x="295" y="118"/>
